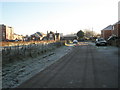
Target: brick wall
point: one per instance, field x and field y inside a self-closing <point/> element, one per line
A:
<point x="106" y="33"/>
<point x="116" y="30"/>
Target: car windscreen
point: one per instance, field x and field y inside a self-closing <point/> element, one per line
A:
<point x="100" y="39"/>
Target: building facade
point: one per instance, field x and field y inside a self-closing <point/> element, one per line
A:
<point x="7" y="32"/>
<point x="107" y="32"/>
<point x="18" y="37"/>
<point x="116" y="29"/>
<point x="69" y="37"/>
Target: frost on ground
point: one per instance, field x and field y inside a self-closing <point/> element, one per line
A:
<point x="14" y="74"/>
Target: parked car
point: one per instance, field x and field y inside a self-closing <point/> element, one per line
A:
<point x="100" y="41"/>
<point x="75" y="41"/>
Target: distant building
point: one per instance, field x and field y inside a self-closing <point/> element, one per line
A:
<point x="7" y="32"/>
<point x="18" y="37"/>
<point x="37" y="36"/>
<point x="107" y="32"/>
<point x="69" y="37"/>
<point x="26" y="38"/>
<point x="61" y="36"/>
<point x="51" y="35"/>
<point x="57" y="36"/>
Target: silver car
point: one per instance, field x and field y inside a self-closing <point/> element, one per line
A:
<point x="75" y="41"/>
<point x="100" y="41"/>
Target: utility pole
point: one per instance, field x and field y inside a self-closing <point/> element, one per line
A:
<point x="92" y="32"/>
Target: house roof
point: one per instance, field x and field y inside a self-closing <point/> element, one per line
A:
<point x="110" y="27"/>
<point x="38" y="34"/>
<point x="70" y="35"/>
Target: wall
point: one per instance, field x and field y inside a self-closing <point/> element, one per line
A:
<point x="116" y="30"/>
<point x="106" y="33"/>
<point x="3" y="32"/>
<point x="6" y="32"/>
<point x="9" y="33"/>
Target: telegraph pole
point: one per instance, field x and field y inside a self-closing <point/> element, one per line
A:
<point x="92" y="33"/>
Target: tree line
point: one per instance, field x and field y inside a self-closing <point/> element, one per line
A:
<point x="89" y="34"/>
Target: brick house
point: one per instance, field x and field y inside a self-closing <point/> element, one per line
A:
<point x="116" y="29"/>
<point x="107" y="32"/>
<point x="37" y="36"/>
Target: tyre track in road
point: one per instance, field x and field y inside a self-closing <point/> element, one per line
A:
<point x="106" y="75"/>
<point x="93" y="66"/>
<point x="67" y="60"/>
<point x="48" y="77"/>
<point x="89" y="79"/>
<point x="83" y="67"/>
<point x="67" y="73"/>
<point x="52" y="71"/>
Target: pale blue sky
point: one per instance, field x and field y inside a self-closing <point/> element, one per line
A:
<point x="64" y="16"/>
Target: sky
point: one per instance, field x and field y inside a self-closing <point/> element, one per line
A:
<point x="63" y="16"/>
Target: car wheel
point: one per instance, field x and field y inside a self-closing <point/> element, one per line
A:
<point x="97" y="45"/>
<point x="105" y="44"/>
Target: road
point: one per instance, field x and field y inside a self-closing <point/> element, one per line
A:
<point x="86" y="66"/>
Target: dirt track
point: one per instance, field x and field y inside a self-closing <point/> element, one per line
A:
<point x="87" y="66"/>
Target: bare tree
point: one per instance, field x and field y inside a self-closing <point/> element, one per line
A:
<point x="89" y="33"/>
